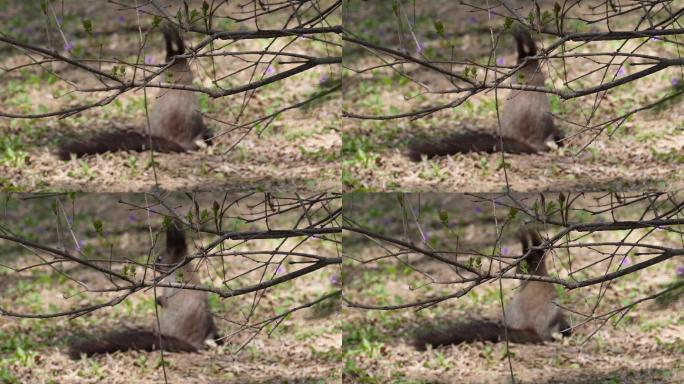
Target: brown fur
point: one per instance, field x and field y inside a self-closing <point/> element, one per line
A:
<point x="526" y="122"/>
<point x="533" y="308"/>
<point x="464" y="143"/>
<point x="176" y="124"/>
<point x="184" y="323"/>
<point x="475" y="330"/>
<point x="126" y="340"/>
<point x="117" y="141"/>
<point x="185" y="313"/>
<point x="530" y="317"/>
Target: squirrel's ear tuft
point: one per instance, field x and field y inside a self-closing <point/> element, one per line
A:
<point x="175" y="240"/>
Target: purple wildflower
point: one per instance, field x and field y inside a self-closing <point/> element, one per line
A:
<point x="323" y="79"/>
<point x="68" y="46"/>
<point x="620" y="72"/>
<point x="280" y="269"/>
<point x="40" y="229"/>
<point x="680" y="271"/>
<point x="425" y="235"/>
<point x="79" y="245"/>
<point x="381" y="32"/>
<point x="478" y="210"/>
<point x="419" y="47"/>
<point x="500" y="61"/>
<point x="626" y="261"/>
<point x="505" y="251"/>
<point x="472" y="19"/>
<point x="29" y="30"/>
<point x="676" y="81"/>
<point x="148" y="59"/>
<point x="120" y="19"/>
<point x="59" y="20"/>
<point x="270" y="70"/>
<point x="132" y="218"/>
<point x="69" y="220"/>
<point x="333" y="279"/>
<point x="386" y="222"/>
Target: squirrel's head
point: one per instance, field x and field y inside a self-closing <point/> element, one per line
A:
<point x="174" y="41"/>
<point x="526" y="46"/>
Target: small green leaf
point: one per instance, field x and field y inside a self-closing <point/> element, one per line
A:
<point x="520" y="77"/>
<point x="439" y="27"/>
<point x="88" y="26"/>
<point x="194" y="15"/>
<point x="512" y="213"/>
<point x="508" y="23"/>
<point x="97" y="224"/>
<point x="444" y="218"/>
<point x="550" y="207"/>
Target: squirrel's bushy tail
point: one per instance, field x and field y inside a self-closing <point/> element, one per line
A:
<point x="465" y="143"/>
<point x="116" y="141"/>
<point x="127" y="340"/>
<point x="476" y="330"/>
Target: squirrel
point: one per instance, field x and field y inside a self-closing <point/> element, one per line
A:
<point x="526" y="122"/>
<point x="175" y="121"/>
<point x="530" y="317"/>
<point x="185" y="322"/>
